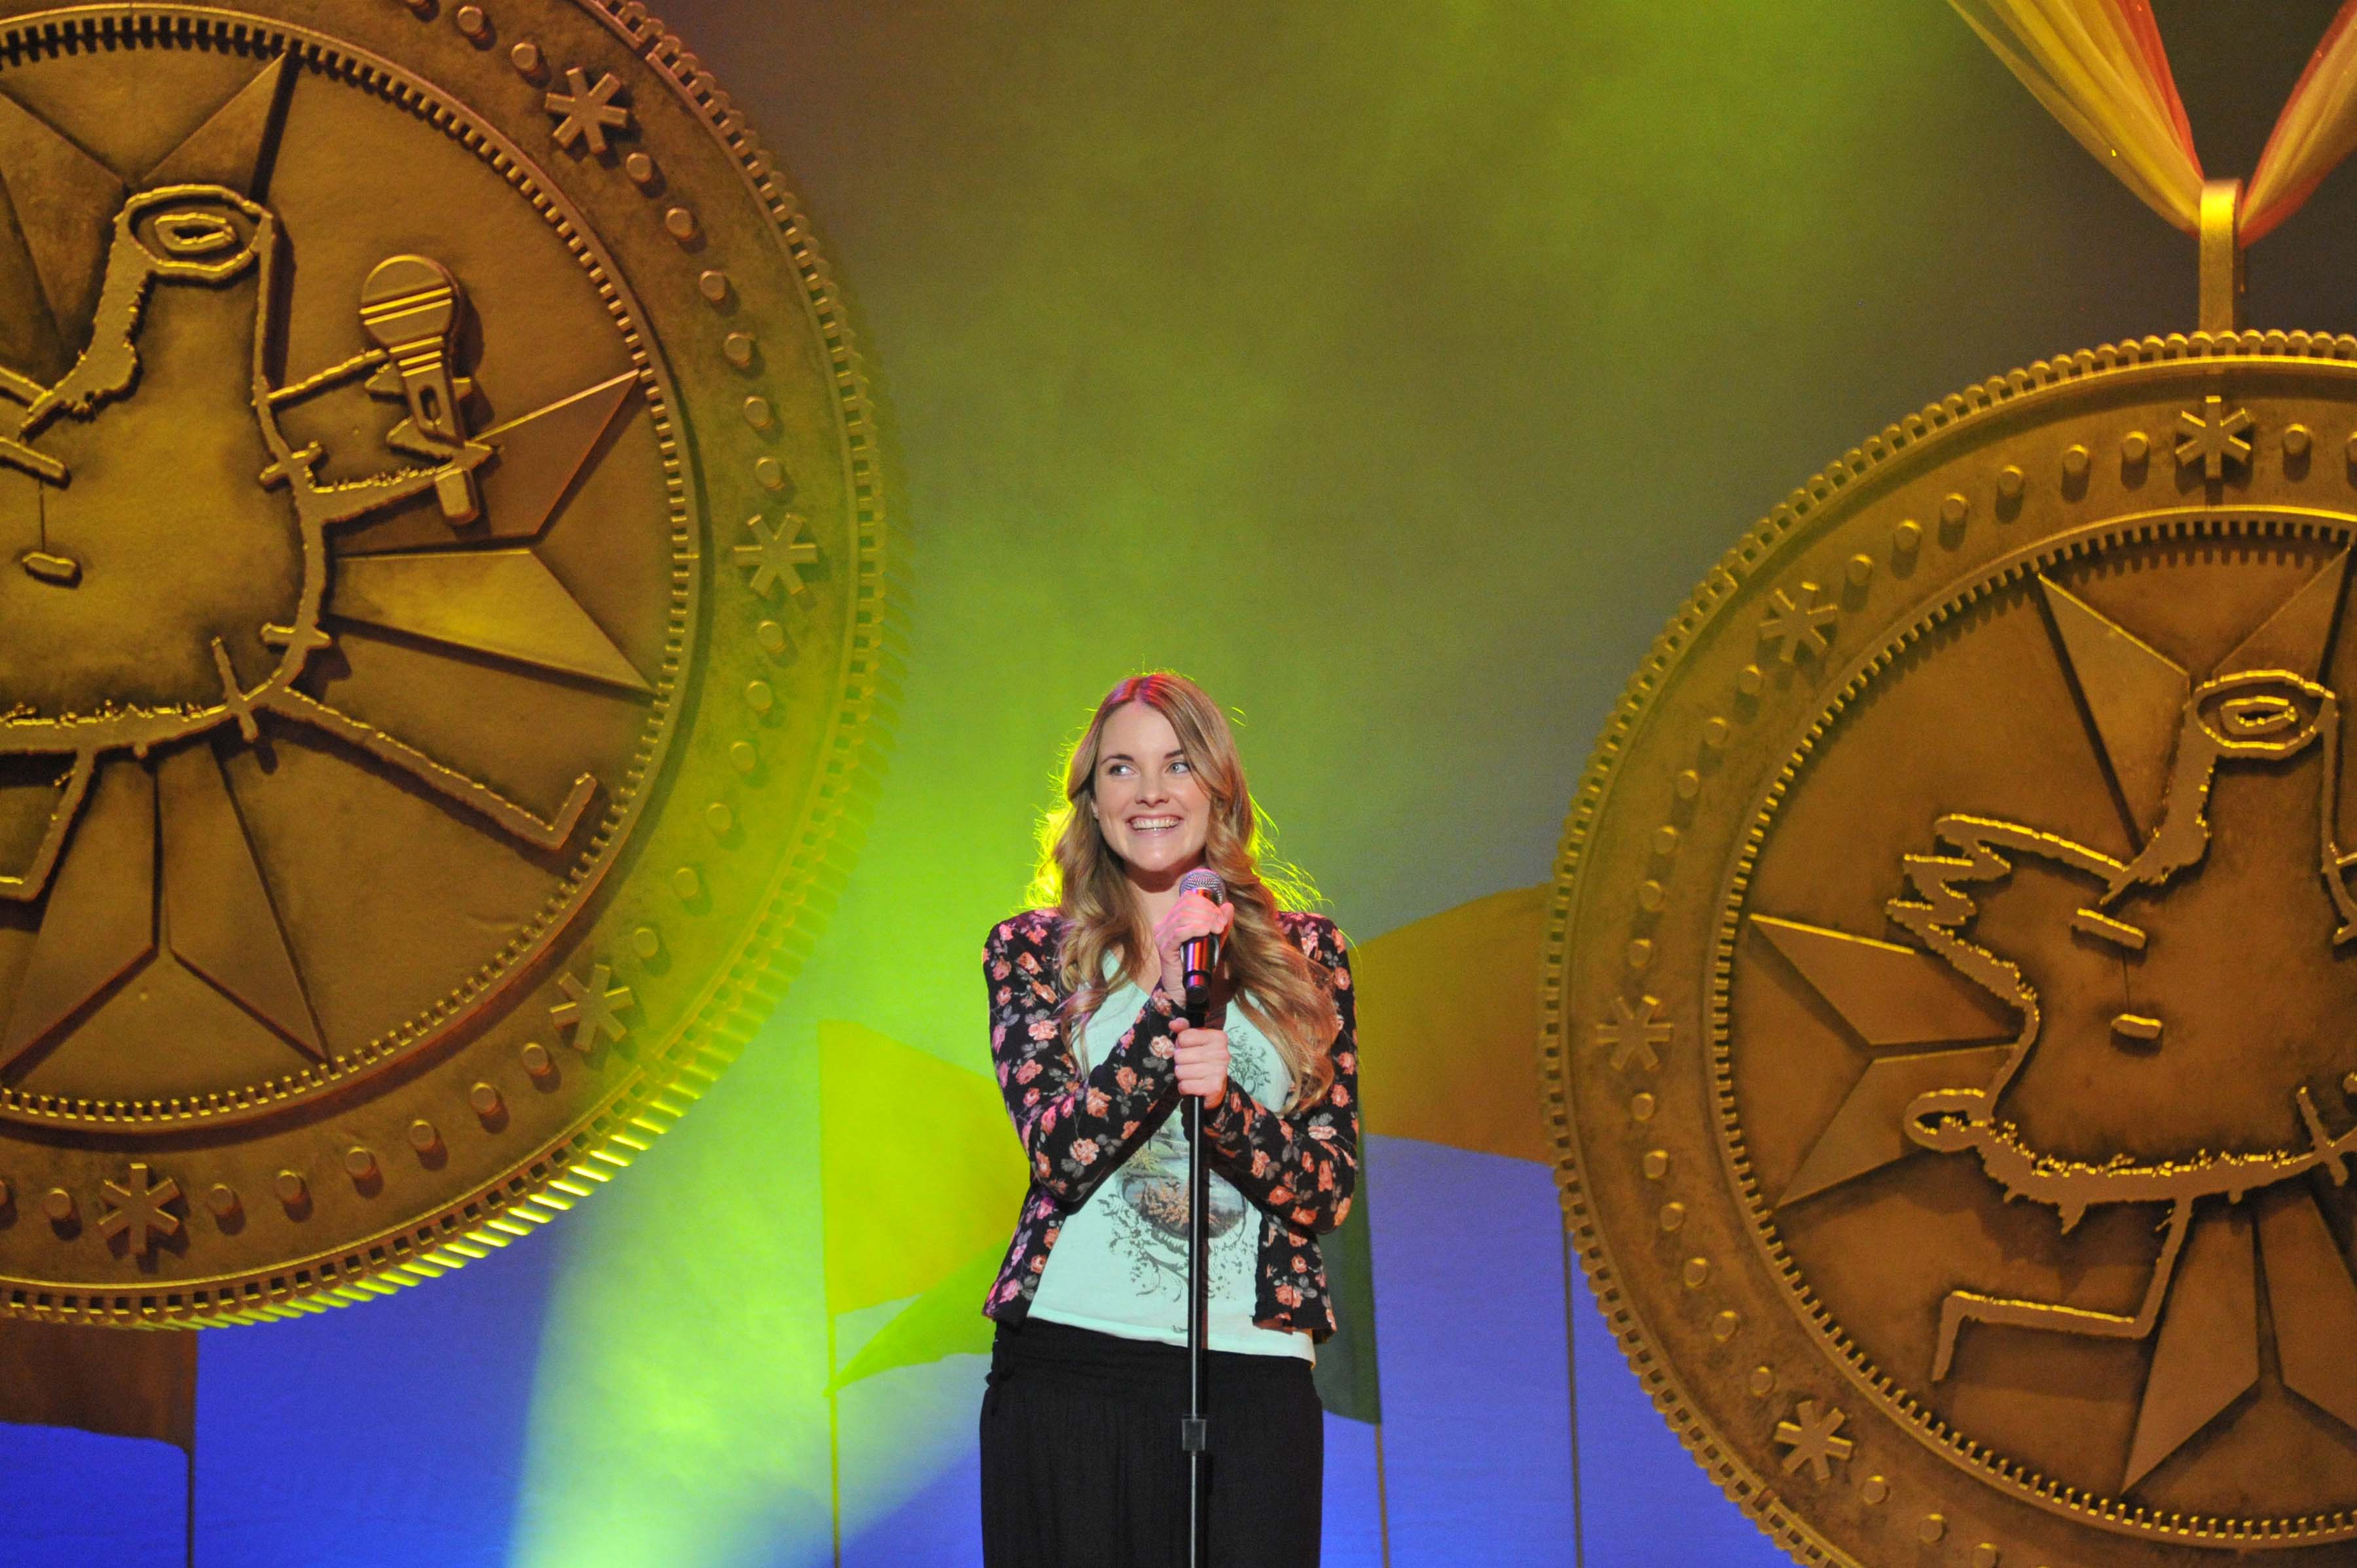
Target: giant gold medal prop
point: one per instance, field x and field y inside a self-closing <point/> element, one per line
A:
<point x="439" y="560"/>
<point x="1952" y="991"/>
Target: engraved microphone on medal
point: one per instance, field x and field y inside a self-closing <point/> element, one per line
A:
<point x="409" y="305"/>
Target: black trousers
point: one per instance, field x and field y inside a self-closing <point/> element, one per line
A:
<point x="1081" y="1462"/>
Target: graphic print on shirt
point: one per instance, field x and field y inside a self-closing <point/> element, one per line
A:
<point x="1149" y="1224"/>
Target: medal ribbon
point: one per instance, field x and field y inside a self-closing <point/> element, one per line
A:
<point x="2100" y="69"/>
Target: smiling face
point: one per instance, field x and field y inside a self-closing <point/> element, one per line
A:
<point x="1149" y="801"/>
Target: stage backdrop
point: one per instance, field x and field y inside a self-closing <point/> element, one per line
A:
<point x="1393" y="369"/>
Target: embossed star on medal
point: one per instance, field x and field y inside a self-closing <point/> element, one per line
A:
<point x="1951" y="990"/>
<point x="440" y="574"/>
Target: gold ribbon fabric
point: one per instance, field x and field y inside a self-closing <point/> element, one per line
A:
<point x="2317" y="129"/>
<point x="2099" y="68"/>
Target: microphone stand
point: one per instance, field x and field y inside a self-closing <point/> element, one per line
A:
<point x="1194" y="1429"/>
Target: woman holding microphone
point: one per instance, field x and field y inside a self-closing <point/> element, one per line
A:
<point x="1081" y="1460"/>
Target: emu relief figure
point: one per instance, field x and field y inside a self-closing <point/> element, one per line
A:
<point x="2218" y="984"/>
<point x="180" y="553"/>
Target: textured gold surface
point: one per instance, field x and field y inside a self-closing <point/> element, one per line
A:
<point x="1951" y="1012"/>
<point x="421" y="714"/>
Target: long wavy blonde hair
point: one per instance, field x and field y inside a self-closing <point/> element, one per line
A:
<point x="1288" y="995"/>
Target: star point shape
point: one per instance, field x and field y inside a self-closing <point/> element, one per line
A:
<point x="1810" y="1439"/>
<point x="592" y="1007"/>
<point x="777" y="554"/>
<point x="1635" y="1034"/>
<point x="139" y="1209"/>
<point x="585" y="112"/>
<point x="1797" y="626"/>
<point x="2213" y="437"/>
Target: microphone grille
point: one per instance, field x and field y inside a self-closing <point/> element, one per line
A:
<point x="1206" y="881"/>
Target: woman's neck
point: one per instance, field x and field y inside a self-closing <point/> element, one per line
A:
<point x="1156" y="897"/>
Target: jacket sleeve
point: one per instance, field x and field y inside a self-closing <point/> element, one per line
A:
<point x="1300" y="1166"/>
<point x="1075" y="1130"/>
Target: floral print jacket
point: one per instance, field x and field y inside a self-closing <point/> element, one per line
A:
<point x="1298" y="1167"/>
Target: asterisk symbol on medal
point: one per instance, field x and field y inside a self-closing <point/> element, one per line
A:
<point x="2213" y="436"/>
<point x="584" y="110"/>
<point x="1796" y="624"/>
<point x="1811" y="1441"/>
<point x="139" y="1209"/>
<point x="777" y="553"/>
<point x="1634" y="1033"/>
<point x="592" y="1010"/>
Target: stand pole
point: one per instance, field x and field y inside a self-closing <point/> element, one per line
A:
<point x="121" y="1382"/>
<point x="1194" y="1431"/>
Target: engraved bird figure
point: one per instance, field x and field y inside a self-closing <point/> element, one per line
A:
<point x="169" y="542"/>
<point x="2162" y="1020"/>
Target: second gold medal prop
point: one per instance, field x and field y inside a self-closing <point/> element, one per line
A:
<point x="1954" y="943"/>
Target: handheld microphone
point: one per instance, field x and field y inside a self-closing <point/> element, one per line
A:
<point x="1198" y="956"/>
